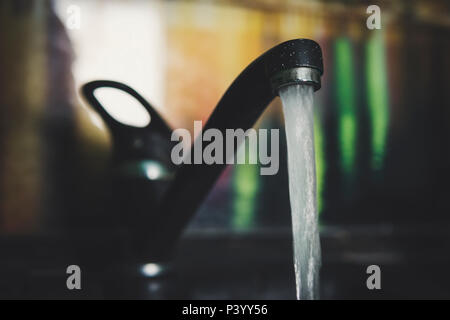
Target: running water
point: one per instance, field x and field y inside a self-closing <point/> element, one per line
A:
<point x="298" y="113"/>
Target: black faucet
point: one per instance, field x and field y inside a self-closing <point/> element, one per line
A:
<point x="292" y="62"/>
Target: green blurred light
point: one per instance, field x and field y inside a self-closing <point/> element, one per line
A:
<point x="346" y="100"/>
<point x="319" y="141"/>
<point x="246" y="186"/>
<point x="377" y="96"/>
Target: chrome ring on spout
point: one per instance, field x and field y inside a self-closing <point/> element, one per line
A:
<point x="300" y="75"/>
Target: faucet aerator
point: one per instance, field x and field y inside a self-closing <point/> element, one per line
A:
<point x="300" y="75"/>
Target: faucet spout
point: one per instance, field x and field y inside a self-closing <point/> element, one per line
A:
<point x="294" y="61"/>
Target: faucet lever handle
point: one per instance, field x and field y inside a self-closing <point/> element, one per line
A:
<point x="155" y="123"/>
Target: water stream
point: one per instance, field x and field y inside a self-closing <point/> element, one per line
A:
<point x="298" y="113"/>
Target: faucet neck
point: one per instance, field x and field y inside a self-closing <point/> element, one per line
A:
<point x="298" y="61"/>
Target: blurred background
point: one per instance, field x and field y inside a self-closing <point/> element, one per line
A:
<point x="382" y="128"/>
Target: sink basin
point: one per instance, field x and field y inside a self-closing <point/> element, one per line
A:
<point x="217" y="264"/>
